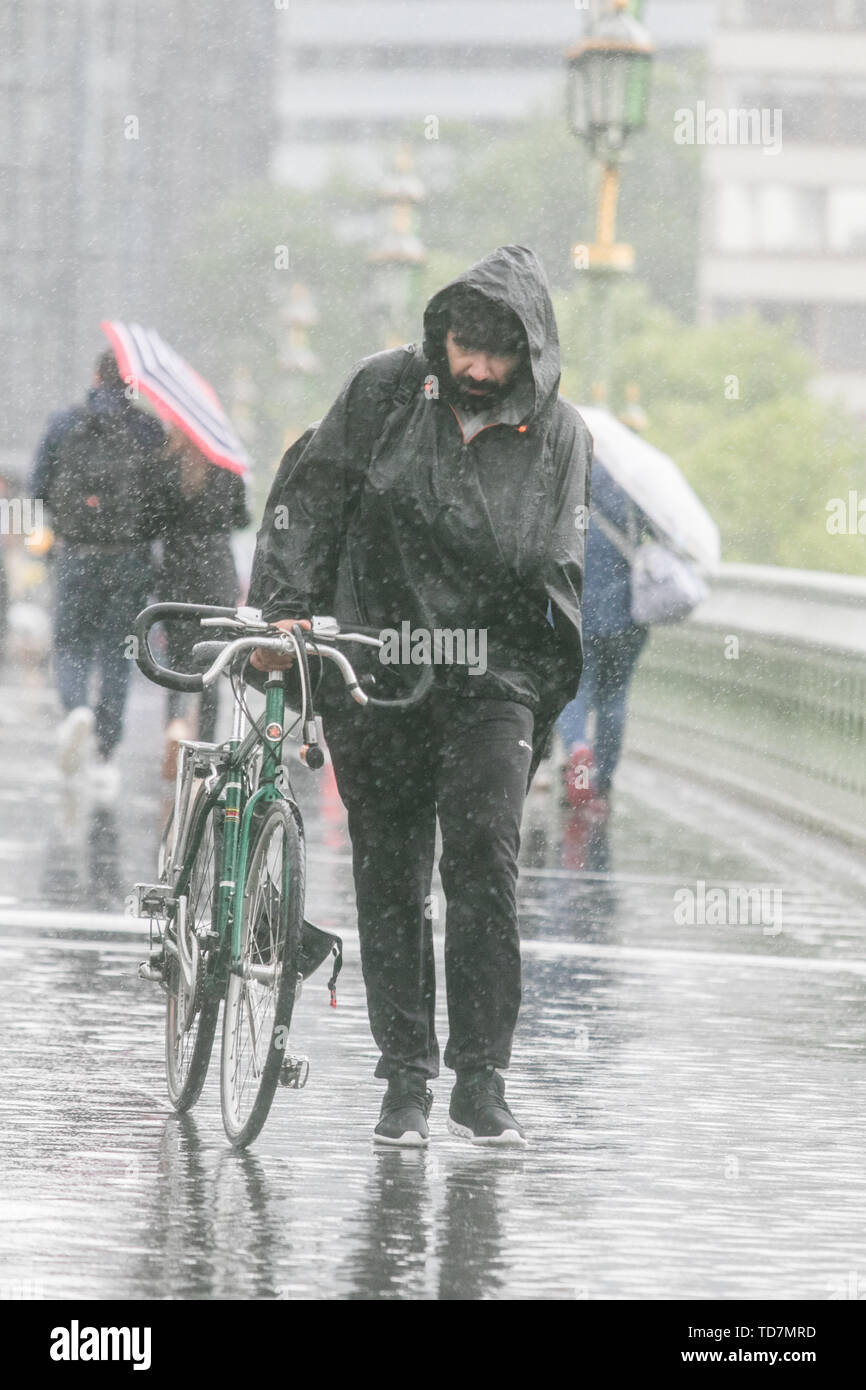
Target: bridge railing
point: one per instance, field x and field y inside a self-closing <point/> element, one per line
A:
<point x="763" y="693"/>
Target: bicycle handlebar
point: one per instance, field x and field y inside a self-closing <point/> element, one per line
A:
<point x="145" y="659"/>
<point x="325" y="632"/>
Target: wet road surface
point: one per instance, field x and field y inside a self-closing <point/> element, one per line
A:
<point x="693" y="1091"/>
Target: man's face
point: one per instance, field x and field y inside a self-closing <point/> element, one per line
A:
<point x="480" y="378"/>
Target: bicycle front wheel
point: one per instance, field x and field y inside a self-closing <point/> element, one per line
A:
<point x="261" y="990"/>
<point x="192" y="1005"/>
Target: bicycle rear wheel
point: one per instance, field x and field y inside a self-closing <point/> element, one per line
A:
<point x="192" y="1006"/>
<point x="261" y="991"/>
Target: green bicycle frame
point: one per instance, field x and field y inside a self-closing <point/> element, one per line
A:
<point x="231" y="862"/>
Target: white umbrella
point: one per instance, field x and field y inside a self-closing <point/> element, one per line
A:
<point x="653" y="481"/>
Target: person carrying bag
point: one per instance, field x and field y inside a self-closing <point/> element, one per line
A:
<point x="665" y="587"/>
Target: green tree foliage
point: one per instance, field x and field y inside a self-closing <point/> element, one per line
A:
<point x="534" y="184"/>
<point x="487" y="184"/>
<point x="732" y="404"/>
<point x="232" y="290"/>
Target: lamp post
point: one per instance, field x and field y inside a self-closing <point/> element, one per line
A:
<point x="608" y="97"/>
<point x="298" y="314"/>
<point x="395" y="261"/>
<point x="243" y="396"/>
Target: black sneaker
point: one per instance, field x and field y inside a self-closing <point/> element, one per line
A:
<point x="478" y="1110"/>
<point x="405" y="1107"/>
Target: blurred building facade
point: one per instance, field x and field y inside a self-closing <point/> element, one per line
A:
<point x="785" y="231"/>
<point x="121" y="124"/>
<point x="354" y="73"/>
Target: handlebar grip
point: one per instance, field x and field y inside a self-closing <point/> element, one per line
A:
<point x="145" y="659"/>
<point x="205" y="653"/>
<point x="415" y="696"/>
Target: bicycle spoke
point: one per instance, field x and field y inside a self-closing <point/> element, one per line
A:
<point x="252" y="1030"/>
<point x="261" y="993"/>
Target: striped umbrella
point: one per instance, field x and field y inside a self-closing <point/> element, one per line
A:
<point x="179" y="395"/>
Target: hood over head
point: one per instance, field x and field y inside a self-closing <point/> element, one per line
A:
<point x="108" y="400"/>
<point x="512" y="276"/>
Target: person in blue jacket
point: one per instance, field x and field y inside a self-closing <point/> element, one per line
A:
<point x="98" y="469"/>
<point x="612" y="644"/>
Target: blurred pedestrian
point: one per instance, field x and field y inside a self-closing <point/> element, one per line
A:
<point x="201" y="505"/>
<point x="613" y="641"/>
<point x="97" y="471"/>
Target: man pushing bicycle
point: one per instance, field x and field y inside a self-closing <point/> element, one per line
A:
<point x="445" y="492"/>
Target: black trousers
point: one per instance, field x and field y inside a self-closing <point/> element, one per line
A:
<point x="468" y="761"/>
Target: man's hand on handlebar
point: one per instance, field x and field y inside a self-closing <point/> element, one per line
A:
<point x="265" y="660"/>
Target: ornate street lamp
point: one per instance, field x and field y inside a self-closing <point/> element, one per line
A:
<point x="243" y="396"/>
<point x="608" y="98"/>
<point x="609" y="82"/>
<point x="395" y="262"/>
<point x="298" y="314"/>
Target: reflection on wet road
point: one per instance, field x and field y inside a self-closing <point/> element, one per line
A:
<point x="693" y="1091"/>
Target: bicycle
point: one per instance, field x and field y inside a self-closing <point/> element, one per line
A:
<point x="226" y="915"/>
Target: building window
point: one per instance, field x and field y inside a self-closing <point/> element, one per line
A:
<point x="846" y="218"/>
<point x="790" y="219"/>
<point x="386" y="57"/>
<point x="796" y="14"/>
<point x="813" y="115"/>
<point x="772" y="217"/>
<point x="734" y="229"/>
<point x="801" y="317"/>
<point x="841" y="334"/>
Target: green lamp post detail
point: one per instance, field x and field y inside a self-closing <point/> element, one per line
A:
<point x="608" y="99"/>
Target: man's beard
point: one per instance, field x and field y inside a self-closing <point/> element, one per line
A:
<point x="478" y="395"/>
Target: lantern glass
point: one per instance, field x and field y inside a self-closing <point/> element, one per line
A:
<point x="609" y="82"/>
<point x="637" y="91"/>
<point x="610" y="89"/>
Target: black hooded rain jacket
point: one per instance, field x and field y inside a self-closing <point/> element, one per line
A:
<point x="388" y="513"/>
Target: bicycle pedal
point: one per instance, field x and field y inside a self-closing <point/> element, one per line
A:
<point x="150" y="900"/>
<point x="148" y="970"/>
<point x="295" y="1073"/>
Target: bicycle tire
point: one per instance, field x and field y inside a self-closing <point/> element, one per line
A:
<point x="258" y="1011"/>
<point x="188" y="1046"/>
